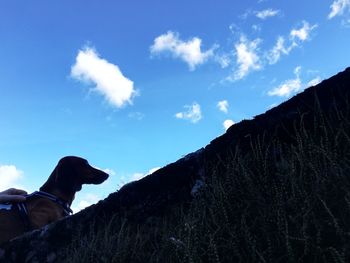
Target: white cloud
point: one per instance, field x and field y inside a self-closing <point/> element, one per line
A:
<point x="256" y="28"/>
<point x="272" y="105"/>
<point x="289" y="86"/>
<point x="279" y="49"/>
<point x="264" y="14"/>
<point x="286" y="88"/>
<point x="189" y="51"/>
<point x="87" y="200"/>
<point x="247" y="57"/>
<point x="227" y="124"/>
<point x="302" y="33"/>
<point x="192" y="114"/>
<point x="9" y="176"/>
<point x="109" y="80"/>
<point x="284" y="47"/>
<point x="346" y="22"/>
<point x="313" y="82"/>
<point x="338" y="7"/>
<point x="223" y="106"/>
<point x="235" y="29"/>
<point x="246" y="14"/>
<point x="138" y="176"/>
<point x="151" y="171"/>
<point x="224" y="60"/>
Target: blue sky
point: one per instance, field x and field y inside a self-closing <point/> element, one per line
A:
<point x="134" y="85"/>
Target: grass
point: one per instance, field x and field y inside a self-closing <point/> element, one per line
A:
<point x="276" y="203"/>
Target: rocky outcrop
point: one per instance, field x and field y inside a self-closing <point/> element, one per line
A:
<point x="179" y="182"/>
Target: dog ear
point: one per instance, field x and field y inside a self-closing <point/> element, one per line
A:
<point x="65" y="177"/>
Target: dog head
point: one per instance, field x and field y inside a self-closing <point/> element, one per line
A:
<point x="71" y="173"/>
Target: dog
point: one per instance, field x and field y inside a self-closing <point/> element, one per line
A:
<point x="52" y="202"/>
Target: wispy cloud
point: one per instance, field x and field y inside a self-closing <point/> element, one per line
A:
<point x="10" y="175"/>
<point x="193" y="113"/>
<point x="284" y="46"/>
<point x="109" y="80"/>
<point x="338" y="7"/>
<point x="87" y="200"/>
<point x="224" y="60"/>
<point x="274" y="55"/>
<point x="247" y="57"/>
<point x="314" y="82"/>
<point x="138" y="176"/>
<point x="223" y="106"/>
<point x="250" y="57"/>
<point x="227" y="124"/>
<point x="302" y="33"/>
<point x="256" y="28"/>
<point x="189" y="51"/>
<point x="264" y="14"/>
<point x="346" y="22"/>
<point x="289" y="86"/>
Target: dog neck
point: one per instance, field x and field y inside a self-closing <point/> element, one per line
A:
<point x="65" y="197"/>
<point x="58" y="190"/>
<point x="68" y="198"/>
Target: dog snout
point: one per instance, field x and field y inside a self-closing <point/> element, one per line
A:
<point x="104" y="176"/>
<point x="99" y="176"/>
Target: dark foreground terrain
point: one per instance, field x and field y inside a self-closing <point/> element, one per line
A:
<point x="272" y="189"/>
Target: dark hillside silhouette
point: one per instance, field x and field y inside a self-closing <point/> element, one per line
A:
<point x="177" y="184"/>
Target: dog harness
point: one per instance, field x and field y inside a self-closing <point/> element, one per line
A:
<point x="66" y="208"/>
<point x="22" y="207"/>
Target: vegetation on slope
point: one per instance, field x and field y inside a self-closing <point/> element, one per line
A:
<point x="278" y="202"/>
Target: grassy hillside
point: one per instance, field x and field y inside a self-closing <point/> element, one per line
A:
<point x="279" y="201"/>
<point x="274" y="189"/>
